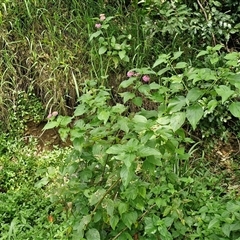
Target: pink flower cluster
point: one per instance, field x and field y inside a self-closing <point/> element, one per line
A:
<point x="102" y="17"/>
<point x="53" y="114"/>
<point x="145" y="78"/>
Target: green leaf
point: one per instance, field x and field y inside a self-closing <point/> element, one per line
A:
<point x="93" y="234"/>
<point x="224" y="91"/>
<point x="180" y="65"/>
<point x="94" y="35"/>
<point x="202" y="53"/>
<point x="226" y="228"/>
<point x="102" y="50"/>
<point x="194" y="113"/>
<point x="80" y="110"/>
<point x="139" y="119"/>
<point x="96" y="197"/>
<point x="137" y="101"/>
<point x="177" y="55"/>
<point x="122" y="54"/>
<point x="118" y="108"/>
<point x="213" y="223"/>
<point x="64" y="120"/>
<point x="142" y="191"/>
<point x="177" y="120"/>
<point x="43" y="182"/>
<point x="129" y="219"/>
<point x="104" y="116"/>
<point x="126" y="175"/>
<point x="234" y="108"/>
<point x="150" y="227"/>
<point x="50" y="125"/>
<point x="161" y="59"/>
<point x="194" y="94"/>
<point x="114" y="221"/>
<point x="122" y="208"/>
<point x="127" y="96"/>
<point x="110" y="206"/>
<point x="116" y="149"/>
<point x="176" y="104"/>
<point x="78" y="143"/>
<point x="147" y="151"/>
<point x="127" y="83"/>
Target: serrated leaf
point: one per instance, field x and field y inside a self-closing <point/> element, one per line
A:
<point x="137" y="101"/>
<point x="202" y="53"/>
<point x="194" y="113"/>
<point x="129" y="219"/>
<point x="64" y="120"/>
<point x="116" y="149"/>
<point x="177" y="120"/>
<point x="93" y="234"/>
<point x="234" y="108"/>
<point x="224" y="92"/>
<point x="114" y="221"/>
<point x="102" y="50"/>
<point x="226" y="228"/>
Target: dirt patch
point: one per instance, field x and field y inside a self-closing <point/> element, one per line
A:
<point x="46" y="139"/>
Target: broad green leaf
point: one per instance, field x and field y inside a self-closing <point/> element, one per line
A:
<point x="234" y="79"/>
<point x="234" y="108"/>
<point x="226" y="228"/>
<point x="104" y="116"/>
<point x="116" y="149"/>
<point x="126" y="175"/>
<point x="180" y="65"/>
<point x="127" y="83"/>
<point x="162" y="59"/>
<point x="122" y="54"/>
<point x="176" y="104"/>
<point x="177" y="120"/>
<point x="96" y="197"/>
<point x="43" y="182"/>
<point x="137" y="101"/>
<point x="110" y="206"/>
<point x="142" y="191"/>
<point x="127" y="96"/>
<point x="93" y="234"/>
<point x="122" y="208"/>
<point x="177" y="55"/>
<point x="102" y="50"/>
<point x="127" y="158"/>
<point x="224" y="92"/>
<point x="129" y="218"/>
<point x="153" y="160"/>
<point x="80" y="110"/>
<point x="139" y="119"/>
<point x="94" y="35"/>
<point x="202" y="53"/>
<point x="123" y="124"/>
<point x="150" y="227"/>
<point x="213" y="223"/>
<point x="113" y="221"/>
<point x="50" y="125"/>
<point x="118" y="108"/>
<point x="194" y="94"/>
<point x="64" y="120"/>
<point x="194" y="113"/>
<point x="78" y="143"/>
<point x="147" y="151"/>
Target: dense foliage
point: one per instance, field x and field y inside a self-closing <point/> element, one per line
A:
<point x="143" y="90"/>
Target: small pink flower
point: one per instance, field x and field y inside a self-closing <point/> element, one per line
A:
<point x="102" y="17"/>
<point x="49" y="116"/>
<point x="130" y="74"/>
<point x="98" y="25"/>
<point x="54" y="114"/>
<point x="146" y="78"/>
